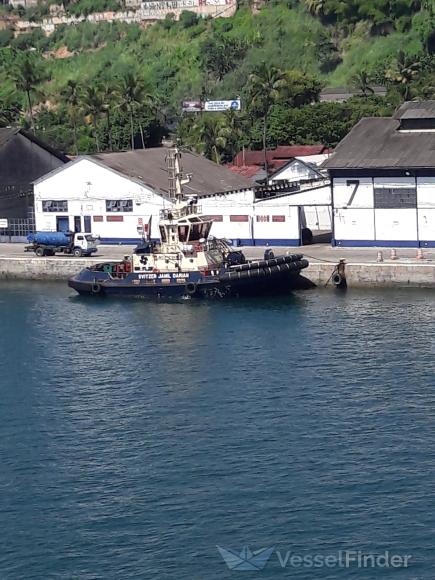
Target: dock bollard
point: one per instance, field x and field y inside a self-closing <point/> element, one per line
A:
<point x="380" y="257"/>
<point x="393" y="254"/>
<point x="420" y="255"/>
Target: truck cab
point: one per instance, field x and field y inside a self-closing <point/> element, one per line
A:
<point x="84" y="244"/>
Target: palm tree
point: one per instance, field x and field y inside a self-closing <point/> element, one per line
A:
<point x="211" y="135"/>
<point x="134" y="96"/>
<point x="27" y="75"/>
<point x="109" y="95"/>
<point x="10" y="107"/>
<point x="266" y="87"/>
<point x="71" y="94"/>
<point x="361" y="81"/>
<point x="316" y="7"/>
<point x="93" y="106"/>
<point x="402" y="72"/>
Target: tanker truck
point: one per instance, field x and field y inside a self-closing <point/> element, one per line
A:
<point x="51" y="243"/>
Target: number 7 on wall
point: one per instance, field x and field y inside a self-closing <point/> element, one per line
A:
<point x="355" y="183"/>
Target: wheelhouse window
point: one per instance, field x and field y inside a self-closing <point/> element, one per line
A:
<point x="199" y="231"/>
<point x="119" y="205"/>
<point x="183" y="233"/>
<point x="55" y="206"/>
<point x="163" y="234"/>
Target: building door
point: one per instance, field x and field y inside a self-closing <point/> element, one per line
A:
<point x="62" y="223"/>
<point x="87" y="224"/>
<point x="77" y="223"/>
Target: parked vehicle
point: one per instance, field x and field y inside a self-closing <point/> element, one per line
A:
<point x="51" y="243"/>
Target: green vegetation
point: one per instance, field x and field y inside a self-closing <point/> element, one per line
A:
<point x="115" y="86"/>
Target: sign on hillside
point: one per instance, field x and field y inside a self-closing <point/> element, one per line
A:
<point x="211" y="106"/>
<point x="192" y="106"/>
<point x="219" y="106"/>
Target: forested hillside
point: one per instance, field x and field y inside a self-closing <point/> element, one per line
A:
<point x="113" y="86"/>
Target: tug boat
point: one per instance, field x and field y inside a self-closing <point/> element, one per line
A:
<point x="189" y="263"/>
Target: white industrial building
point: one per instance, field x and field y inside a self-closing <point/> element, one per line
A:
<point x="297" y="170"/>
<point x="113" y="195"/>
<point x="383" y="180"/>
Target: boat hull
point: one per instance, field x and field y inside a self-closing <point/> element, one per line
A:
<point x="255" y="278"/>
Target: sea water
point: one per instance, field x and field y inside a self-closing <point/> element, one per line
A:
<point x="297" y="434"/>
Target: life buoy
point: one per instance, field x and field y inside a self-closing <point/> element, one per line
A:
<point x="95" y="288"/>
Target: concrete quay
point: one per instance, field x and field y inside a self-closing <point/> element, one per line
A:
<point x="362" y="268"/>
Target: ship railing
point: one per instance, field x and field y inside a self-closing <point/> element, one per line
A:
<point x="176" y="214"/>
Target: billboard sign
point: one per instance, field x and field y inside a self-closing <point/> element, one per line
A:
<point x="192" y="106"/>
<point x="219" y="106"/>
<point x="3" y="223"/>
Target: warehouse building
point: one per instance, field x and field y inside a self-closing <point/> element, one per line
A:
<point x="383" y="180"/>
<point x="114" y="195"/>
<point x="23" y="158"/>
<point x="119" y="195"/>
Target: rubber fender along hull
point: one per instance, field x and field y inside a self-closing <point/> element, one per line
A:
<point x="253" y="265"/>
<point x="264" y="272"/>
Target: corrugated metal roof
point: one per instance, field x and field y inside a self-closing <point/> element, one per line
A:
<point x="377" y="143"/>
<point x="6" y="133"/>
<point x="416" y="110"/>
<point x="418" y="114"/>
<point x="149" y="167"/>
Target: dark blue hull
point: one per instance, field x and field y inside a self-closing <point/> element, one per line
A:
<point x="242" y="281"/>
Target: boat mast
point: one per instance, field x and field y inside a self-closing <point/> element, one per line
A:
<point x="176" y="176"/>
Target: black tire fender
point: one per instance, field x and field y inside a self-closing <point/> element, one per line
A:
<point x="337" y="279"/>
<point x="191" y="288"/>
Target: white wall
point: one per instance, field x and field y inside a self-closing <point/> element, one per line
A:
<point x="426" y="210"/>
<point x="343" y="192"/>
<point x="276" y="222"/>
<point x="272" y="220"/>
<point x="315" y="204"/>
<point x="355" y="217"/>
<point x="86" y="186"/>
<point x="396" y="224"/>
<point x="231" y="207"/>
<point x="353" y="224"/>
<point x="294" y="171"/>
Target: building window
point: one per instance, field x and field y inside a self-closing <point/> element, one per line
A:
<point x="239" y="218"/>
<point x="119" y="205"/>
<point x="278" y="218"/>
<point x="215" y="218"/>
<point x="115" y="218"/>
<point x="98" y="218"/>
<point x="395" y="197"/>
<point x="263" y="218"/>
<point x="55" y="206"/>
